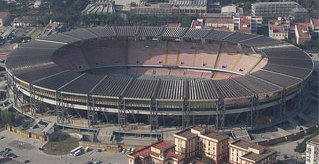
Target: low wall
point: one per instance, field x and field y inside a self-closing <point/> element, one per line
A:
<point x="97" y="145"/>
<point x="26" y="134"/>
<point x="106" y="147"/>
<point x="291" y="137"/>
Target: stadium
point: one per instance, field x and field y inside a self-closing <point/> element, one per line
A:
<point x="159" y="76"/>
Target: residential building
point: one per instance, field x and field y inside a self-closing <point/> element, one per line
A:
<point x="198" y="23"/>
<point x="220" y="23"/>
<point x="249" y="24"/>
<point x="194" y="7"/>
<point x="24" y="21"/>
<point x="315" y="26"/>
<point x="312" y="151"/>
<point x="302" y="32"/>
<point x="4" y="18"/>
<point x="244" y="152"/>
<point x="276" y="9"/>
<point x="278" y="28"/>
<point x="213" y="6"/>
<point x="161" y="9"/>
<point x="161" y="152"/>
<point x="202" y="142"/>
<point x="229" y="9"/>
<point x="100" y="7"/>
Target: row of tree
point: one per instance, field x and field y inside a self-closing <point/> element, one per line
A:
<point x="145" y="20"/>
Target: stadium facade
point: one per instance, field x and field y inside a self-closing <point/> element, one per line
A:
<point x="159" y="75"/>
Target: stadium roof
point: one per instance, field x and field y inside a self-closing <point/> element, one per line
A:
<point x="32" y="63"/>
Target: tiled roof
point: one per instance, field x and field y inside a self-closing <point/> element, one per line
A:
<point x="245" y="145"/>
<point x="303" y="30"/>
<point x="186" y="134"/>
<point x="163" y="145"/>
<point x="217" y="136"/>
<point x="257" y="157"/>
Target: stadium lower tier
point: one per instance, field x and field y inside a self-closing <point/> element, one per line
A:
<point x="167" y="112"/>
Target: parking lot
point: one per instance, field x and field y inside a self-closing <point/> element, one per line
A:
<point x="26" y="149"/>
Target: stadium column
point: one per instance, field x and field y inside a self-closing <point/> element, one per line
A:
<point x="60" y="109"/>
<point x="186" y="114"/>
<point x="15" y="91"/>
<point x="220" y="115"/>
<point x="301" y="96"/>
<point x="254" y="112"/>
<point x="153" y="115"/>
<point x="282" y="103"/>
<point x="33" y="101"/>
<point x="122" y="118"/>
<point x="12" y="85"/>
<point x="186" y="105"/>
<point x="91" y="111"/>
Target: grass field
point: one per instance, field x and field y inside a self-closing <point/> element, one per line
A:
<point x="62" y="145"/>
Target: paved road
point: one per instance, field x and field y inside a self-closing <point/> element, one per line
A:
<point x="288" y="150"/>
<point x="36" y="156"/>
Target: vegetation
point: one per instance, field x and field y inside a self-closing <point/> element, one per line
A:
<point x="185" y="20"/>
<point x="310" y="45"/>
<point x="95" y="19"/>
<point x="67" y="11"/>
<point x="62" y="145"/>
<point x="5" y="117"/>
<point x="207" y="160"/>
<point x="20" y="39"/>
<point x="301" y="147"/>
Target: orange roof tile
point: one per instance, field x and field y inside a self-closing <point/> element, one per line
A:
<point x="3" y="14"/>
<point x="219" y="20"/>
<point x="315" y="22"/>
<point x="303" y="30"/>
<point x="163" y="145"/>
<point x="173" y="155"/>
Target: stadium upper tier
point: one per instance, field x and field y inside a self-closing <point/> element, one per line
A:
<point x="177" y="64"/>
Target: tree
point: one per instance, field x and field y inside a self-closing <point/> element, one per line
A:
<point x="66" y="11"/>
<point x="207" y="160"/>
<point x="6" y="117"/>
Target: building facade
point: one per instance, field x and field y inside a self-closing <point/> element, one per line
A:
<point x="4" y="18"/>
<point x="249" y="24"/>
<point x="202" y="142"/>
<point x="315" y="26"/>
<point x="312" y="151"/>
<point x="302" y="32"/>
<point x="244" y="152"/>
<point x="220" y="23"/>
<point x="162" y="152"/>
<point x="193" y="7"/>
<point x="275" y="9"/>
<point x="278" y="29"/>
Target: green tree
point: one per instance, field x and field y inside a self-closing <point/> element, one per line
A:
<point x="66" y="11"/>
<point x="6" y="117"/>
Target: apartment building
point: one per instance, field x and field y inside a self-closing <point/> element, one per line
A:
<point x="302" y="32"/>
<point x="220" y="23"/>
<point x="278" y="28"/>
<point x="4" y="18"/>
<point x="244" y="152"/>
<point x="249" y="24"/>
<point x="312" y="151"/>
<point x="161" y="152"/>
<point x="315" y="26"/>
<point x="202" y="142"/>
<point x="276" y="9"/>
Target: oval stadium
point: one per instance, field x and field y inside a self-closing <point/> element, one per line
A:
<point x="159" y="76"/>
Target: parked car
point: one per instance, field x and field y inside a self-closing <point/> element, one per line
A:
<point x="7" y="149"/>
<point x="97" y="162"/>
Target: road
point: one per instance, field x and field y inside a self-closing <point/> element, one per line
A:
<point x="28" y="149"/>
